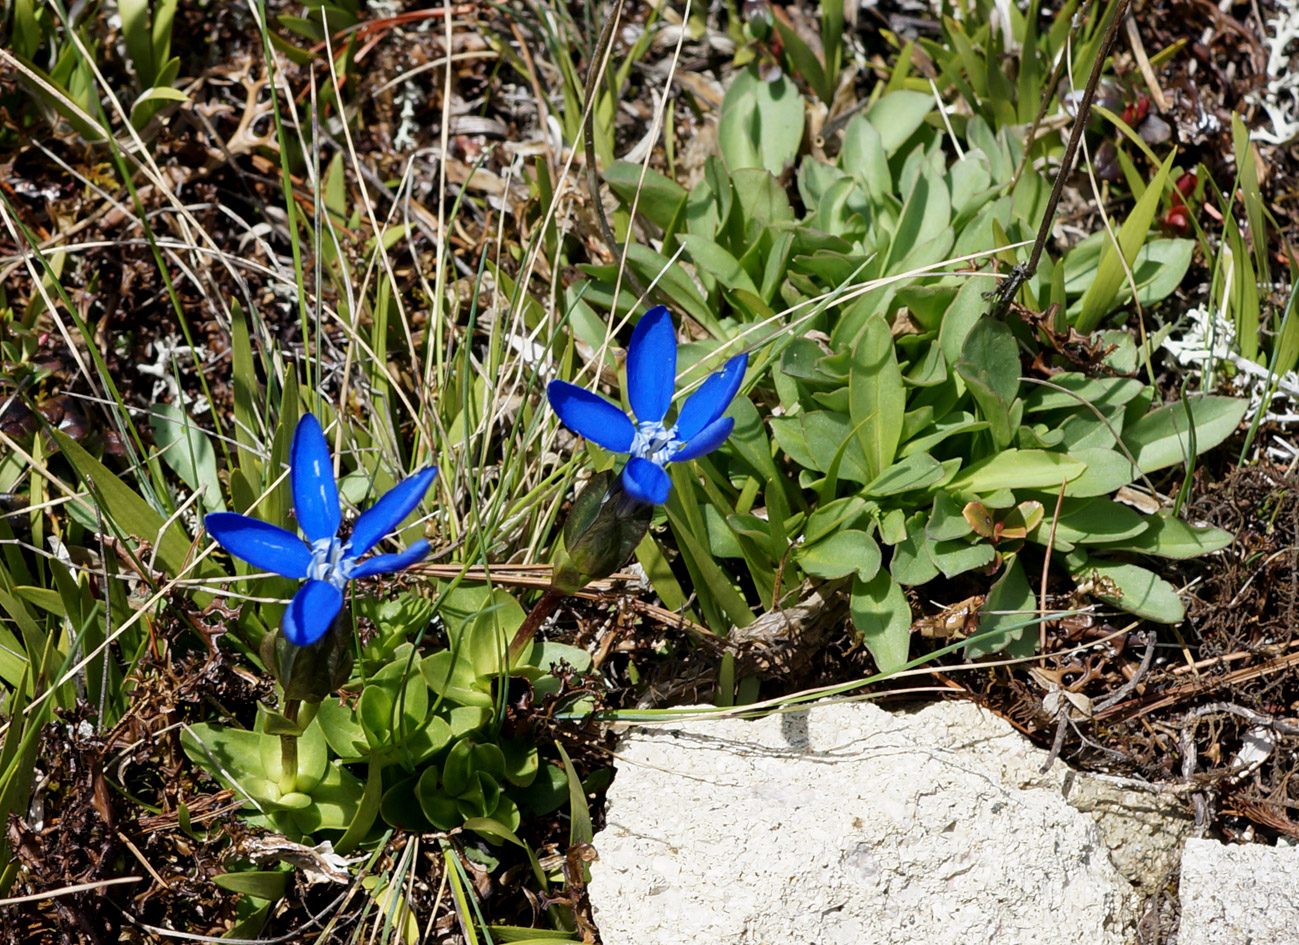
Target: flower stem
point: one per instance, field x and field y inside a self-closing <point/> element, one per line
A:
<point x="289" y="750"/>
<point x="540" y="611"/>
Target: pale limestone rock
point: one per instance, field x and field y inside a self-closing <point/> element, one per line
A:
<point x="850" y="824"/>
<point x="1239" y="895"/>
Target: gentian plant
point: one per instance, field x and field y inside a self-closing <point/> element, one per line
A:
<point x="700" y="427"/>
<point x="311" y="657"/>
<point x="610" y="516"/>
<point x="414" y="737"/>
<point x="324" y="561"/>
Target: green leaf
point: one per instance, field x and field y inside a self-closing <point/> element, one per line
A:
<point x="708" y="205"/>
<point x="1167" y="536"/>
<point x="911" y="564"/>
<point x="1161" y="438"/>
<point x="1110" y="275"/>
<point x="1090" y="521"/>
<point x="235" y="757"/>
<point x="759" y="199"/>
<point x="342" y="730"/>
<point x="761" y="123"/>
<point x="711" y="259"/>
<point x="970" y="182"/>
<point x="805" y="61"/>
<point x="491" y="631"/>
<point x="26" y="31"/>
<point x="661" y="198"/>
<point x="1078" y="389"/>
<point x="335" y="802"/>
<point x="958" y="555"/>
<point x="260" y="884"/>
<point x="949" y="426"/>
<point x="814" y="439"/>
<point x="334" y="196"/>
<point x="1017" y="469"/>
<point x="923" y="234"/>
<point x="947" y="520"/>
<point x="307" y="29"/>
<point x="1158" y="269"/>
<point x="829" y="516"/>
<point x="881" y="614"/>
<point x="840" y="554"/>
<point x="914" y="472"/>
<point x="1255" y="210"/>
<point x="188" y="451"/>
<point x="452" y="677"/>
<point x="151" y="101"/>
<point x="875" y="395"/>
<point x="247" y="395"/>
<point x="965" y="311"/>
<point x="990" y="366"/>
<point x="132" y="516"/>
<point x="722" y="594"/>
<point x="367" y="810"/>
<point x="897" y="115"/>
<point x="863" y="156"/>
<point x="547" y="655"/>
<point x="1140" y="592"/>
<point x="580" y="827"/>
<point x="137" y="31"/>
<point x="1009" y="607"/>
<point x="1107" y="470"/>
<point x="519" y="935"/>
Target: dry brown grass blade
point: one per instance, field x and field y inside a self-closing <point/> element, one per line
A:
<point x="1139" y="707"/>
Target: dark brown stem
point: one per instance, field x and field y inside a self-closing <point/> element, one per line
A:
<point x="540" y="611"/>
<point x="1052" y="84"/>
<point x="1022" y="273"/>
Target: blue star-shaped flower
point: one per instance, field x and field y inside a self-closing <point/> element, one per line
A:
<point x="651" y="381"/>
<point x="324" y="561"/>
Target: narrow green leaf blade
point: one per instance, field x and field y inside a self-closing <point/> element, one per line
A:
<point x="876" y="397"/>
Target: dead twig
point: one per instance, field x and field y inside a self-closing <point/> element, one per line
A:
<point x="1063" y="711"/>
<point x="1005" y="293"/>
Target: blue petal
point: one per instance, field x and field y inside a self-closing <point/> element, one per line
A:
<point x="652" y="365"/>
<point x="712" y="398"/>
<point x="315" y="495"/>
<point x="311" y="612"/>
<point x="386" y="514"/>
<point x="705" y="441"/>
<point x="261" y="544"/>
<point x="591" y="416"/>
<point x="385" y="564"/>
<point x="645" y="481"/>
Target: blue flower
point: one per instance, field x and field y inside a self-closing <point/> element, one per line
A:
<point x="651" y="381"/>
<point x="324" y="561"/>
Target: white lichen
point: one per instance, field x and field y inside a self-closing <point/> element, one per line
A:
<point x="172" y="359"/>
<point x="1280" y="99"/>
<point x="1208" y="345"/>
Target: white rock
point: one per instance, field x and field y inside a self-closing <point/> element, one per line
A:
<point x="850" y="824"/>
<point x="1232" y="895"/>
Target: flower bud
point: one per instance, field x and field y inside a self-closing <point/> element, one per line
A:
<point x="310" y="673"/>
<point x="602" y="531"/>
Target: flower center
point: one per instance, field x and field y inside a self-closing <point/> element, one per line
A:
<point x="330" y="562"/>
<point x="655" y="442"/>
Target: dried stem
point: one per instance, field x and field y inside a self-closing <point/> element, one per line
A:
<point x="540" y="611"/>
<point x="1022" y="273"/>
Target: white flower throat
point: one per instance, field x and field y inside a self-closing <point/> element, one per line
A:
<point x="655" y="442"/>
<point x="330" y="561"/>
